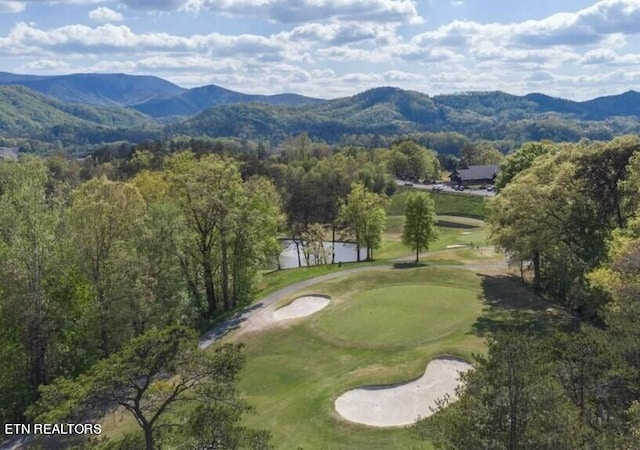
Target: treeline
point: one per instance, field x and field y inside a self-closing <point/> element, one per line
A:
<point x="557" y="208"/>
<point x="568" y="217"/>
<point x="98" y="252"/>
<point x="85" y="266"/>
<point x="314" y="179"/>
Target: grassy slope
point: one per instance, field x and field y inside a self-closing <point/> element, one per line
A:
<point x="286" y="375"/>
<point x="451" y="233"/>
<point x="295" y="373"/>
<point x="448" y="204"/>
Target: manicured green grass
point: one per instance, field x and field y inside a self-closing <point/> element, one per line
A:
<point x="452" y="230"/>
<point x="456" y="236"/>
<point x="394" y="225"/>
<point x="380" y="327"/>
<point x="459" y="221"/>
<point x="397" y="203"/>
<point x="460" y="205"/>
<point x="276" y="279"/>
<point x="420" y="313"/>
<point x="446" y="203"/>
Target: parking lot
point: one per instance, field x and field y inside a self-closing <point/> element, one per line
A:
<point x="445" y="188"/>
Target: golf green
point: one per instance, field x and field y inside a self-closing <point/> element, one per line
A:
<point x="400" y="316"/>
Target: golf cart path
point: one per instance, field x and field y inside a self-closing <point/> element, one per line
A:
<point x="239" y="319"/>
<point x="256" y="310"/>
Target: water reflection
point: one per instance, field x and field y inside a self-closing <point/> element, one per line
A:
<point x="344" y="252"/>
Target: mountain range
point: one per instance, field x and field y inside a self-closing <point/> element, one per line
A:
<point x="150" y="95"/>
<point x="146" y="106"/>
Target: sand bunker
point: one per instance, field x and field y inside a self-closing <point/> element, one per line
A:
<point x="456" y="246"/>
<point x="402" y="404"/>
<point x="301" y="307"/>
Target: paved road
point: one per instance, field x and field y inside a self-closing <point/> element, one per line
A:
<point x="242" y="316"/>
<point x="445" y="188"/>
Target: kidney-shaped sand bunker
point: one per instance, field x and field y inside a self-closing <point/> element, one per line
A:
<point x="402" y="404"/>
<point x="301" y="307"/>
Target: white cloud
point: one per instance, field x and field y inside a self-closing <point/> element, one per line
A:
<point x="608" y="57"/>
<point x="327" y="48"/>
<point x="120" y="38"/>
<point x="296" y="11"/>
<point x="11" y="7"/>
<point x="104" y="14"/>
<point x="587" y="26"/>
<point x="156" y="5"/>
<point x="540" y="76"/>
<point x="47" y="65"/>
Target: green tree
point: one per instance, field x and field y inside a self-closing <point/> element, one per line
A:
<point x="364" y="215"/>
<point x="509" y="401"/>
<point x="230" y="227"/>
<point x="557" y="214"/>
<point x="148" y="378"/>
<point x="479" y="154"/>
<point x="255" y="240"/>
<point x="209" y="192"/>
<point x="105" y="218"/>
<point x="408" y="159"/>
<point x="602" y="167"/>
<point x="29" y="225"/>
<point x="519" y="161"/>
<point x="419" y="229"/>
<point x="159" y="245"/>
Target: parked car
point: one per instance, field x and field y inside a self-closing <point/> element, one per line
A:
<point x="491" y="188"/>
<point x="437" y="188"/>
<point x="408" y="184"/>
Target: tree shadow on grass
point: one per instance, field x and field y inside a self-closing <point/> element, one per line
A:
<point x="511" y="306"/>
<point x="227" y="325"/>
<point x="408" y="265"/>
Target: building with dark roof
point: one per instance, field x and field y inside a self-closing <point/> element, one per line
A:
<point x="475" y="175"/>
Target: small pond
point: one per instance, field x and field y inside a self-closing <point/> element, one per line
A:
<point x="345" y="252"/>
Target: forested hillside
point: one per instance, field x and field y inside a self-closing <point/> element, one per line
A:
<point x="371" y="118"/>
<point x="27" y="114"/>
<point x="491" y="116"/>
<point x="96" y="89"/>
<point x="196" y="100"/>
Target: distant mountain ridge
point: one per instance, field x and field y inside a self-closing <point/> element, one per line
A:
<point x="393" y="111"/>
<point x="97" y="89"/>
<point x="150" y="95"/>
<point x="198" y="99"/>
<point x="31" y="104"/>
<point x="25" y="113"/>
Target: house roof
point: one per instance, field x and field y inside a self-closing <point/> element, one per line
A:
<point x="485" y="172"/>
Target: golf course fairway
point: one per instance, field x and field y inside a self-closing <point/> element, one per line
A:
<point x="381" y="327"/>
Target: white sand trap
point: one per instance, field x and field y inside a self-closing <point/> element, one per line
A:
<point x="301" y="307"/>
<point x="466" y="232"/>
<point x="402" y="404"/>
<point x="456" y="246"/>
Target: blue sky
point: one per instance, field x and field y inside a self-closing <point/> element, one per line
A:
<point x="574" y="49"/>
